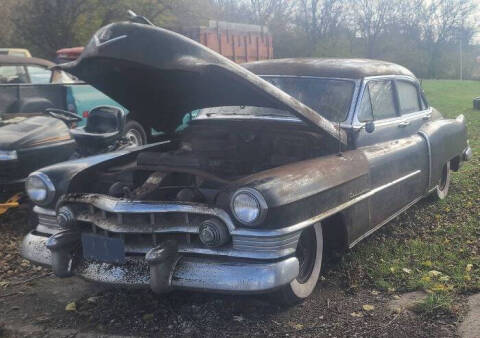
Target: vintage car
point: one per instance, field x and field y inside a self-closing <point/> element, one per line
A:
<point x="283" y="158"/>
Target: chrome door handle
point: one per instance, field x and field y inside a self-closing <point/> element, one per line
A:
<point x="403" y="124"/>
<point x="427" y="117"/>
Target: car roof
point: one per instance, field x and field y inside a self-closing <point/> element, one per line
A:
<point x="20" y="60"/>
<point x="323" y="67"/>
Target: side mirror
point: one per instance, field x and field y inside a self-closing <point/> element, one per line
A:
<point x="106" y="120"/>
<point x="369" y="127"/>
<point x="105" y="125"/>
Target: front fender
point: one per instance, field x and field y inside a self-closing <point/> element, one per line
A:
<point x="63" y="174"/>
<point x="302" y="190"/>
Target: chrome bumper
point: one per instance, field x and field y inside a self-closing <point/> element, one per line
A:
<point x="467" y="154"/>
<point x="192" y="273"/>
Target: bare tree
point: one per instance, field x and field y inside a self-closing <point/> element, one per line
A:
<point x="445" y="21"/>
<point x="320" y="19"/>
<point x="372" y="18"/>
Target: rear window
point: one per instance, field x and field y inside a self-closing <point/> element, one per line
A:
<point x="381" y="98"/>
<point x="408" y="97"/>
<point x="13" y="75"/>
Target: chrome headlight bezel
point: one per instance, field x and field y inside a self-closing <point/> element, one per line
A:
<point x="8" y="155"/>
<point x="260" y="202"/>
<point x="48" y="185"/>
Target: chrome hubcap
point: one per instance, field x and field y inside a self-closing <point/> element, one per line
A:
<point x="306" y="254"/>
<point x="134" y="138"/>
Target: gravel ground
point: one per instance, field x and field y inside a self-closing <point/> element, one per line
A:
<point x="31" y="296"/>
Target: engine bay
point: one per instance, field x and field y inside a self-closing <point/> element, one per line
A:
<point x="205" y="157"/>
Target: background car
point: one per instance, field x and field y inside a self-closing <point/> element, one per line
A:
<point x="15" y="52"/>
<point x="29" y="85"/>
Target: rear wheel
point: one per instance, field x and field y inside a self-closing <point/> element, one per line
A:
<point x="310" y="255"/>
<point x="441" y="191"/>
<point x="135" y="134"/>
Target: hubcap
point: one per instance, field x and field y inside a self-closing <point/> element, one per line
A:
<point x="134" y="138"/>
<point x="306" y="254"/>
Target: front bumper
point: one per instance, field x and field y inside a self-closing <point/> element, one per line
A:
<point x="188" y="272"/>
<point x="255" y="261"/>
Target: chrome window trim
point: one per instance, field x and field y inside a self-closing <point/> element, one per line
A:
<point x="357" y="125"/>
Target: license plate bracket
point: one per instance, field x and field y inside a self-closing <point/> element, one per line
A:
<point x="103" y="249"/>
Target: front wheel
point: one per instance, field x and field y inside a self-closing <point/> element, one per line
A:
<point x="135" y="134"/>
<point x="310" y="255"/>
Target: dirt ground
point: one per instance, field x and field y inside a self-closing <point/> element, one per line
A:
<point x="34" y="303"/>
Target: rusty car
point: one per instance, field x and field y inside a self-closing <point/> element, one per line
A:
<point x="282" y="159"/>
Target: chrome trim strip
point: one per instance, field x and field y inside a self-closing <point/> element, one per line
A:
<point x="429" y="149"/>
<point x="378" y="226"/>
<point x="323" y="215"/>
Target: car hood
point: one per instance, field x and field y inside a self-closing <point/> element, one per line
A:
<point x="160" y="76"/>
<point x="20" y="132"/>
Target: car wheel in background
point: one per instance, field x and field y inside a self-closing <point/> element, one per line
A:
<point x="135" y="133"/>
<point x="310" y="256"/>
<point x="441" y="191"/>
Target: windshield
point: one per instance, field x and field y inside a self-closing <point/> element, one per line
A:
<point x="331" y="98"/>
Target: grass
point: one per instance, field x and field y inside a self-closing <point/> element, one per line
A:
<point x="435" y="246"/>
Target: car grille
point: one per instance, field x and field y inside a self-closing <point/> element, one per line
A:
<point x="9" y="170"/>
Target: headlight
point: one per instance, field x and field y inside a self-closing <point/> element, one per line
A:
<point x="39" y="188"/>
<point x="248" y="206"/>
<point x="6" y="155"/>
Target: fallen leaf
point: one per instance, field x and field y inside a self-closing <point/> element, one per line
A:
<point x="92" y="300"/>
<point x="147" y="317"/>
<point x="296" y="326"/>
<point x="406" y="270"/>
<point x="368" y="307"/>
<point x="356" y="314"/>
<point x="427" y="264"/>
<point x="434" y="273"/>
<point x="238" y="319"/>
<point x="392" y="269"/>
<point x="71" y="307"/>
<point x="469" y="267"/>
<point x="375" y="293"/>
<point x="426" y="279"/>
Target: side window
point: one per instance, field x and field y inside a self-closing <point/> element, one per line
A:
<point x="39" y="75"/>
<point x="408" y="97"/>
<point x="13" y="74"/>
<point x="381" y="98"/>
<point x="366" y="113"/>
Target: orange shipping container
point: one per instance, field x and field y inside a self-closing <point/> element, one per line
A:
<point x="238" y="42"/>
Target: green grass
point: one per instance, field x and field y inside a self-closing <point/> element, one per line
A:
<point x="435" y="246"/>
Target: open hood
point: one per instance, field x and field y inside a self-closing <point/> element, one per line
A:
<point x="160" y="75"/>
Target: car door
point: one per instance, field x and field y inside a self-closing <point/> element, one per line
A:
<point x="414" y="114"/>
<point x="389" y="148"/>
